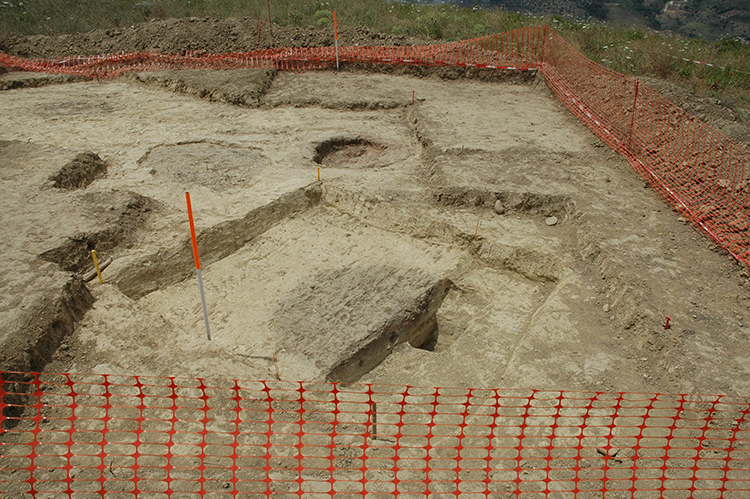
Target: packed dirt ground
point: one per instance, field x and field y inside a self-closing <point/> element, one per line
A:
<point x="466" y="231"/>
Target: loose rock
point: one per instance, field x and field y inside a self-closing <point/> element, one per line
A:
<point x="551" y="221"/>
<point x="499" y="207"/>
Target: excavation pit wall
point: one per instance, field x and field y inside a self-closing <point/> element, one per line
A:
<point x="516" y="302"/>
<point x="360" y="282"/>
<point x="530" y="303"/>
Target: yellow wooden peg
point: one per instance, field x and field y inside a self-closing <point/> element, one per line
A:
<point x="96" y="264"/>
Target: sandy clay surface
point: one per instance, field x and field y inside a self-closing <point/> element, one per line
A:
<point x="477" y="236"/>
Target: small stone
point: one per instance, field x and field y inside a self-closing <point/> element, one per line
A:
<point x="499" y="207"/>
<point x="514" y="200"/>
<point x="551" y="221"/>
<point x="606" y="307"/>
<point x="613" y="451"/>
<point x="602" y="451"/>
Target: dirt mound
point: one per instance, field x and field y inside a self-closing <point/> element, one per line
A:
<point x="241" y="87"/>
<point x="393" y="305"/>
<point x="84" y="169"/>
<point x="177" y="36"/>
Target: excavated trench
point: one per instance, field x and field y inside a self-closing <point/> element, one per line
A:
<point x="353" y="152"/>
<point x="370" y="306"/>
<point x="348" y="151"/>
<point x="432" y="217"/>
<point x="128" y="214"/>
<point x="441" y="282"/>
<point x="345" y="315"/>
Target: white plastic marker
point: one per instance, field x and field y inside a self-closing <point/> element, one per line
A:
<point x="336" y="38"/>
<point x="197" y="264"/>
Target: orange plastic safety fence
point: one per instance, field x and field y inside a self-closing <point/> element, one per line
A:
<point x="517" y="49"/>
<point x="85" y="435"/>
<point x="701" y="173"/>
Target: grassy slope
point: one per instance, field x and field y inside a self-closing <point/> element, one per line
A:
<point x="629" y="50"/>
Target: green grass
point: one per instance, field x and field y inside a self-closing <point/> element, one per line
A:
<point x="628" y="50"/>
<point x="638" y="52"/>
<point x="51" y="17"/>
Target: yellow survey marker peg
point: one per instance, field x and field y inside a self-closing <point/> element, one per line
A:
<point x="96" y="264"/>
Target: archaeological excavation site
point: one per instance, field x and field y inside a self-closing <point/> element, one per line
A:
<point x="483" y="268"/>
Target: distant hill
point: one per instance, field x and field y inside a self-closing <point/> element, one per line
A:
<point x="708" y="18"/>
<point x="711" y="19"/>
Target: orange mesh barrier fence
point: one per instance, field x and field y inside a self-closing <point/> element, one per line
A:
<point x="701" y="173"/>
<point x="519" y="49"/>
<point x="81" y="436"/>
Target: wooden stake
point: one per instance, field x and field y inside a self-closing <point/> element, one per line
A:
<point x="88" y="276"/>
<point x="96" y="265"/>
<point x="276" y="365"/>
<point x="336" y="38"/>
<point x="270" y="24"/>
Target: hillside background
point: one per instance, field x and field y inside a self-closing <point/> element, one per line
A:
<point x="711" y="19"/>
